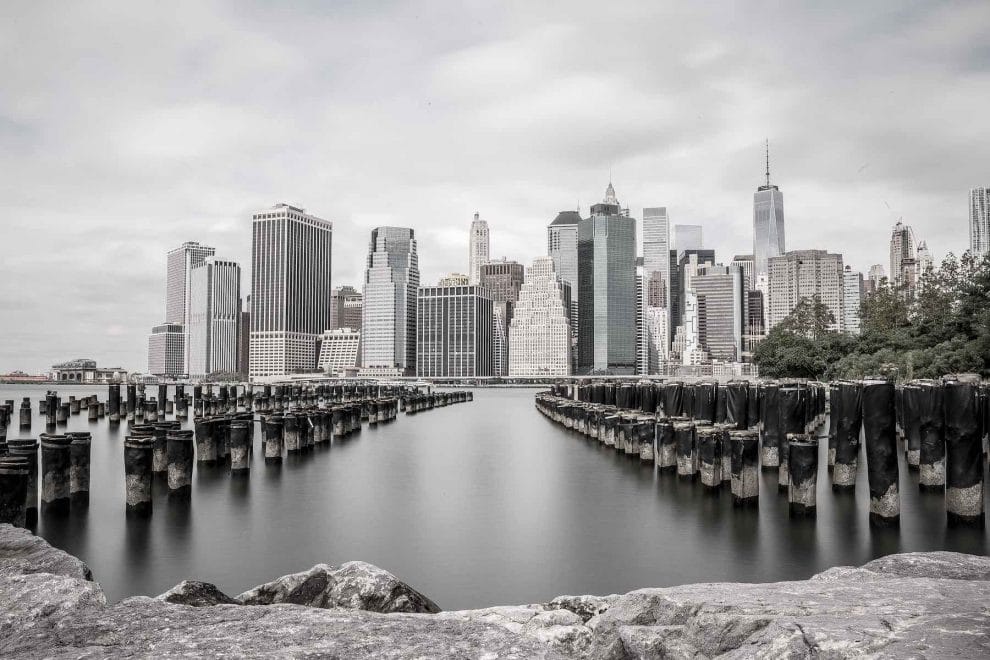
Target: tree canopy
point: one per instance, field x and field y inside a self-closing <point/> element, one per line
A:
<point x="944" y="328"/>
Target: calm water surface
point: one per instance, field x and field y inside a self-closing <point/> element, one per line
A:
<point x="475" y="504"/>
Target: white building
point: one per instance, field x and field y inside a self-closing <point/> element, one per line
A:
<point x="768" y="229"/>
<point x="562" y="246"/>
<point x="391" y="284"/>
<point x="500" y="339"/>
<point x="179" y="265"/>
<point x="540" y="331"/>
<point x="214" y="317"/>
<point x="656" y="271"/>
<point x="339" y="350"/>
<point x="478" y="247"/>
<point x="290" y="289"/>
<point x="979" y="221"/>
<point x="166" y="350"/>
<point x="852" y="298"/>
<point x="803" y="274"/>
<point x="903" y="256"/>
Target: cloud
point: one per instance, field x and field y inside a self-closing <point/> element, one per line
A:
<point x="128" y="128"/>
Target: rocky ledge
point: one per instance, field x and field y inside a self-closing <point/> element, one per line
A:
<point x="909" y="605"/>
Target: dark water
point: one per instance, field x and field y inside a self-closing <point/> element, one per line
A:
<point x="475" y="504"/>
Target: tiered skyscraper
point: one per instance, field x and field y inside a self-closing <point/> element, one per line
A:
<point x="391" y="284"/>
<point x="539" y="334"/>
<point x="478" y="248"/>
<point x="167" y="344"/>
<point x="290" y="289"/>
<point x="214" y="317"/>
<point x="607" y="285"/>
<point x="768" y="228"/>
<point x="979" y="220"/>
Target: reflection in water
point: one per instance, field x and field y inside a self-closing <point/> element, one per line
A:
<point x="478" y="504"/>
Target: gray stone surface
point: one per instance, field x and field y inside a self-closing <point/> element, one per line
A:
<point x="197" y="594"/>
<point x="933" y="605"/>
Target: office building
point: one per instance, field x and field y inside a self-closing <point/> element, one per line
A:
<point x="656" y="271"/>
<point x="877" y="278"/>
<point x="852" y="298"/>
<point x="478" y="247"/>
<point x="539" y="333"/>
<point x="290" y="289"/>
<point x="391" y="285"/>
<point x="925" y="260"/>
<point x="454" y="332"/>
<point x="166" y="350"/>
<point x="979" y="221"/>
<point x="244" y="343"/>
<point x="687" y="263"/>
<point x="607" y="289"/>
<point x="214" y="318"/>
<point x="346" y="308"/>
<point x="721" y="303"/>
<point x="339" y="351"/>
<point x="503" y="278"/>
<point x="903" y="258"/>
<point x="768" y="227"/>
<point x="562" y="242"/>
<point x="803" y="274"/>
<point x="179" y="265"/>
<point x="688" y="237"/>
<point x="746" y="264"/>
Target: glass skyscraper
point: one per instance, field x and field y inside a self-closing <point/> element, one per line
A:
<point x="391" y="283"/>
<point x="454" y="332"/>
<point x="607" y="289"/>
<point x="979" y="221"/>
<point x="768" y="228"/>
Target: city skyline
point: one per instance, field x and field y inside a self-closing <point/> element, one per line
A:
<point x="135" y="169"/>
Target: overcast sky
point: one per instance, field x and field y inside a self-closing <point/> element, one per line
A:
<point x="127" y="128"/>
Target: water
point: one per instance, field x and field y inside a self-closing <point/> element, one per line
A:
<point x="475" y="504"/>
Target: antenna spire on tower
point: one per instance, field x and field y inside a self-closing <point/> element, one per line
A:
<point x="768" y="162"/>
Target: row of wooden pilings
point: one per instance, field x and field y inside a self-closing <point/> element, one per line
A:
<point x="293" y="420"/>
<point x="724" y="434"/>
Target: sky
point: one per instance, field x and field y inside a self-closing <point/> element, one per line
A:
<point x="127" y="128"/>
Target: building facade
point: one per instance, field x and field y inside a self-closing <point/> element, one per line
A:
<point x="290" y="289"/>
<point x="454" y="332"/>
<point x="503" y="278"/>
<point x="979" y="221"/>
<point x="852" y="298"/>
<point x="179" y="265"/>
<point x="721" y="303"/>
<point x="346" y="308"/>
<point x="607" y="289"/>
<point x="478" y="248"/>
<point x="339" y="350"/>
<point x="214" y="318"/>
<point x="539" y="333"/>
<point x="83" y="370"/>
<point x="656" y="271"/>
<point x="562" y="246"/>
<point x="166" y="350"/>
<point x="391" y="286"/>
<point x="454" y="279"/>
<point x="803" y="274"/>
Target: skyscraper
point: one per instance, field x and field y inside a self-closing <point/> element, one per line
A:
<point x="562" y="246"/>
<point x="503" y="278"/>
<point x="290" y="289"/>
<point x="852" y="298"/>
<point x="903" y="258"/>
<point x="346" y="305"/>
<point x="745" y="263"/>
<point x="539" y="333"/>
<point x="768" y="227"/>
<point x="875" y="280"/>
<point x="478" y="247"/>
<point x="391" y="284"/>
<point x="214" y="317"/>
<point x="799" y="274"/>
<point x="721" y="303"/>
<point x="687" y="263"/>
<point x="179" y="265"/>
<point x="656" y="271"/>
<point x="925" y="261"/>
<point x="607" y="289"/>
<point x="979" y="221"/>
<point x="688" y="237"/>
<point x="454" y="332"/>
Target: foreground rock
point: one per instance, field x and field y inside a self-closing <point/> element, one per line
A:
<point x="910" y="605"/>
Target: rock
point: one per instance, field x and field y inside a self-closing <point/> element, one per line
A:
<point x="197" y="594"/>
<point x="22" y="552"/>
<point x="911" y="605"/>
<point x="355" y="585"/>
